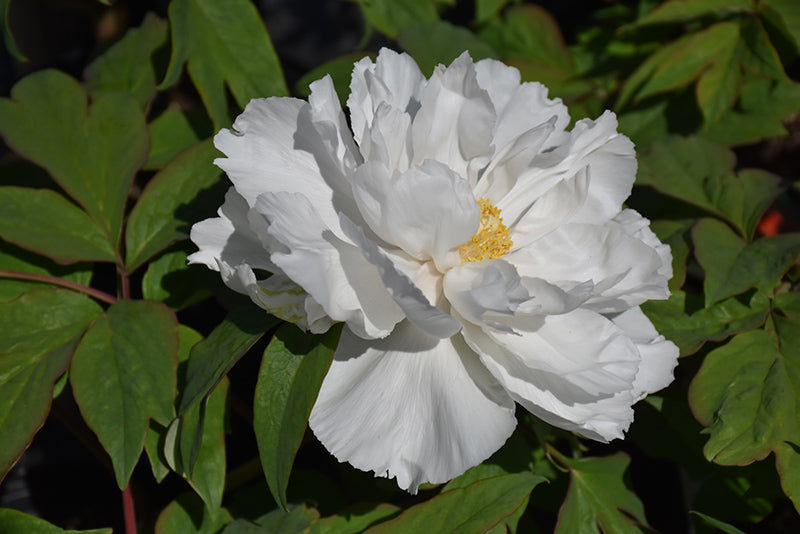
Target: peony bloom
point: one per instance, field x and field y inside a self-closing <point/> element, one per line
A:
<point x="476" y="250"/>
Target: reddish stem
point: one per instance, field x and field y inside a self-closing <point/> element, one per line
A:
<point x="125" y="283"/>
<point x="128" y="510"/>
<point x="99" y="295"/>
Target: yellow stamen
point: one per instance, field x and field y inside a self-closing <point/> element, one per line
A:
<point x="491" y="240"/>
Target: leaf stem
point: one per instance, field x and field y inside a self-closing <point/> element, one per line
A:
<point x="128" y="510"/>
<point x="94" y="293"/>
<point x="125" y="283"/>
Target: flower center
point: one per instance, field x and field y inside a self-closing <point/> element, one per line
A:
<point x="491" y="240"/>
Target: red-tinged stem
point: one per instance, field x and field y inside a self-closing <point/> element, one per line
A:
<point x="125" y="284"/>
<point x="94" y="293"/>
<point x="128" y="510"/>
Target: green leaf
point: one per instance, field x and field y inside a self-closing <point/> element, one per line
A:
<point x="187" y="515"/>
<point x="13" y="258"/>
<point x="123" y="374"/>
<point x="47" y="223"/>
<point x="757" y="52"/>
<point x="684" y="10"/>
<point x="689" y="330"/>
<point x="716" y="523"/>
<point x="440" y="42"/>
<point x="746" y="393"/>
<point x="789" y="11"/>
<point x="8" y="37"/>
<point x="679" y="63"/>
<point x="598" y="499"/>
<point x="92" y="152"/>
<point x="732" y="266"/>
<point x="718" y="87"/>
<point x="762" y="107"/>
<point x="16" y="522"/>
<point x="474" y="508"/>
<point x="391" y="17"/>
<point x="157" y="220"/>
<point x="674" y="233"/>
<point x="131" y="65"/>
<point x="355" y="519"/>
<point x="701" y="173"/>
<point x="297" y="519"/>
<point x="292" y="370"/>
<point x="224" y="44"/>
<point x="170" y="279"/>
<point x="155" y="440"/>
<point x="40" y="331"/>
<point x="211" y="359"/>
<point x="487" y="9"/>
<point x="174" y="131"/>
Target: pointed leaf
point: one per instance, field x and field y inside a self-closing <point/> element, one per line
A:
<point x="355" y="519"/>
<point x="14" y="521"/>
<point x="130" y="66"/>
<point x="757" y="52"/>
<point x="187" y="515"/>
<point x="174" y="131"/>
<point x="746" y="393"/>
<point x="292" y="370"/>
<point x="598" y="497"/>
<point x="689" y="330"/>
<point x="40" y="331"/>
<point x="47" y="223"/>
<point x="170" y="279"/>
<point x="13" y="258"/>
<point x="160" y="216"/>
<point x="211" y="359"/>
<point x="92" y="152"/>
<point x="441" y="42"/>
<point x="716" y="523"/>
<point x="297" y="519"/>
<point x="123" y="374"/>
<point x="683" y="10"/>
<point x="718" y="87"/>
<point x="8" y="37"/>
<point x="733" y="266"/>
<point x="474" y="508"/>
<point x="223" y="43"/>
<point x="789" y="11"/>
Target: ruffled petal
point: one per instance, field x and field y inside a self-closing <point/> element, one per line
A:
<point x="394" y="79"/>
<point x="410" y="406"/>
<point x="575" y="371"/>
<point x="411" y="299"/>
<point x="332" y="270"/>
<point x="659" y="356"/>
<point x="427" y="211"/>
<point x="625" y="270"/>
<point x="455" y="119"/>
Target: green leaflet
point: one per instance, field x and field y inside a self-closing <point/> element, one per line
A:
<point x="123" y="374"/>
<point x="291" y="374"/>
<point x="223" y="43"/>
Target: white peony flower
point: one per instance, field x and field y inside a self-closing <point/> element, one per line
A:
<point x="476" y="250"/>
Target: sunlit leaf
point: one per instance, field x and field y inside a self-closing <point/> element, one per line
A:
<point x="40" y="331"/>
<point x="716" y="523"/>
<point x="92" y="152"/>
<point x="598" y="499"/>
<point x="14" y="521"/>
<point x="123" y="373"/>
<point x="746" y="393"/>
<point x="223" y="44"/>
<point x="131" y="64"/>
<point x="690" y="329"/>
<point x="45" y="222"/>
<point x="474" y="508"/>
<point x="391" y="17"/>
<point x="161" y="217"/>
<point x="732" y="266"/>
<point x="291" y="374"/>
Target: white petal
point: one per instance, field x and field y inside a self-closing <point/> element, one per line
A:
<point x="394" y="79"/>
<point x="389" y="139"/>
<point x="273" y="147"/>
<point x="455" y="119"/>
<point x="329" y="121"/>
<point x="229" y="238"/>
<point x="427" y="211"/>
<point x="410" y="406"/>
<point x="499" y="80"/>
<point x="659" y="356"/>
<point x="331" y="270"/>
<point x="417" y="308"/>
<point x="576" y="371"/>
<point x="625" y="270"/>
